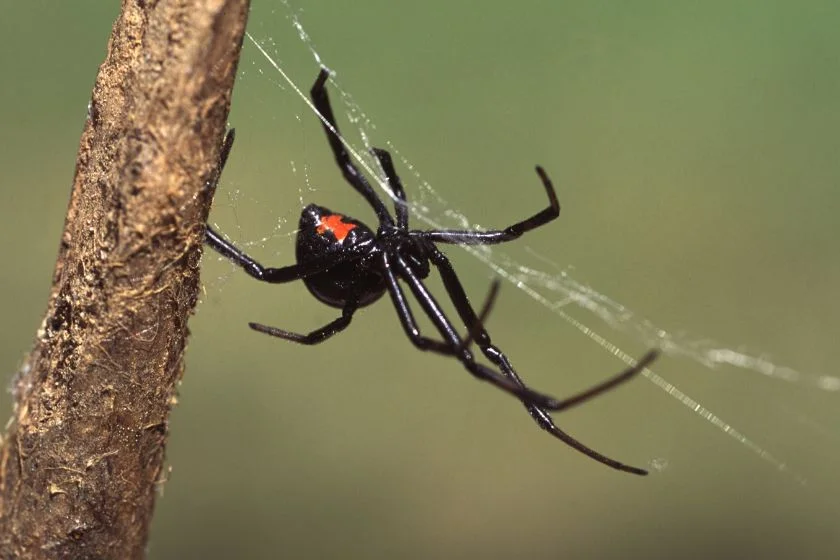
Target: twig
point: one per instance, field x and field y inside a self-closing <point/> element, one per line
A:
<point x="80" y="465"/>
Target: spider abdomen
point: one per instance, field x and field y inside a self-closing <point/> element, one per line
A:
<point x="355" y="277"/>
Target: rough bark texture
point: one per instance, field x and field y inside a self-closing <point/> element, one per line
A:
<point x="83" y="456"/>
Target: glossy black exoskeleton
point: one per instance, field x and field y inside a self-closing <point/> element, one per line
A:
<point x="347" y="265"/>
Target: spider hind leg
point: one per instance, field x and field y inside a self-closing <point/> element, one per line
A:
<point x="315" y="337"/>
<point x="351" y="173"/>
<point x="479" y="334"/>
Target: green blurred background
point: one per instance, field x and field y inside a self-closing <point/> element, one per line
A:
<point x="695" y="148"/>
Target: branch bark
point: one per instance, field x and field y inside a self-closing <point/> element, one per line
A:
<point x="83" y="456"/>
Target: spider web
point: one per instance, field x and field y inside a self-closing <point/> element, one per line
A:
<point x="552" y="286"/>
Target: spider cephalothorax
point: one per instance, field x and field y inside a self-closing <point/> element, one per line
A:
<point x="347" y="265"/>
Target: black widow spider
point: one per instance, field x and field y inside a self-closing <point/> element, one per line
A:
<point x="346" y="265"/>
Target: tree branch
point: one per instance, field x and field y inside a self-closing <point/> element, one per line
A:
<point x="83" y="457"/>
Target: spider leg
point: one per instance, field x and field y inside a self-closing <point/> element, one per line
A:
<point x="544" y="420"/>
<point x="462" y="305"/>
<point x="491" y="237"/>
<point x="413" y="331"/>
<point x="267" y="274"/>
<point x="224" y="152"/>
<point x="453" y="345"/>
<point x="237" y="256"/>
<point x="400" y="207"/>
<point x="407" y="318"/>
<point x="477" y="331"/>
<point x="351" y="173"/>
<point x="318" y="335"/>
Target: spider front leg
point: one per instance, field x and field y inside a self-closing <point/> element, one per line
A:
<point x="510" y="233"/>
<point x="318" y="335"/>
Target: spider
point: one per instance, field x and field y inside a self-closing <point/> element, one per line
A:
<point x="347" y="265"/>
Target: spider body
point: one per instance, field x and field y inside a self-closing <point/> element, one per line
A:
<point x="323" y="232"/>
<point x="347" y="265"/>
